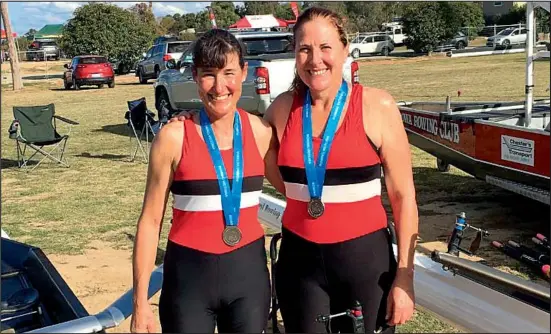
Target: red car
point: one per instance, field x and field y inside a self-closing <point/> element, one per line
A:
<point x="88" y="71"/>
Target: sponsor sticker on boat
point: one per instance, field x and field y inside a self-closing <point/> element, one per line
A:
<point x="517" y="150"/>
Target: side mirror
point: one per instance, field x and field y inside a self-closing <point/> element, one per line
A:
<point x="171" y="64"/>
<point x="144" y="55"/>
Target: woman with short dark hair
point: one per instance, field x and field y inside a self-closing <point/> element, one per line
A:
<point x="215" y="266"/>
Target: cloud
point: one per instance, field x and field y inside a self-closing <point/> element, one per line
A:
<point x="54" y="19"/>
<point x="160" y="9"/>
<point x="67" y="6"/>
<point x="36" y="4"/>
<point x="201" y="5"/>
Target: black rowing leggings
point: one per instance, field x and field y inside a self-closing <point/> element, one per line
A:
<point x="314" y="279"/>
<point x="200" y="290"/>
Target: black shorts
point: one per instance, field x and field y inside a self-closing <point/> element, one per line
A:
<point x="201" y="290"/>
<point x="314" y="279"/>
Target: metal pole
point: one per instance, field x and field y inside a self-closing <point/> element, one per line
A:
<point x="529" y="88"/>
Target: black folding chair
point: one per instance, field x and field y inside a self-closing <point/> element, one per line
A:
<point x="35" y="127"/>
<point x="142" y="120"/>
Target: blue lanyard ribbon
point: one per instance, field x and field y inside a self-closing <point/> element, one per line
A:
<point x="231" y="199"/>
<point x="315" y="174"/>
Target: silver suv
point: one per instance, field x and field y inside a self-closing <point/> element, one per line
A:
<point x="154" y="60"/>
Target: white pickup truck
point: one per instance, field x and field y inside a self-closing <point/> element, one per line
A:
<point x="269" y="75"/>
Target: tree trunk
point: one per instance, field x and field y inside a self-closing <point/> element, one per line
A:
<point x="14" y="58"/>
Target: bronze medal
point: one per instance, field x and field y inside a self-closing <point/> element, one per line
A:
<point x="315" y="207"/>
<point x="231" y="235"/>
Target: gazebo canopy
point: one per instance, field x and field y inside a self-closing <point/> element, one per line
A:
<point x="4" y="36"/>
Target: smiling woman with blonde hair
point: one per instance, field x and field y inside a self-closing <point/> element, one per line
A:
<point x="334" y="139"/>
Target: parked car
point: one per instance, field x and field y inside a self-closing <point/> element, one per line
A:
<point x="396" y="32"/>
<point x="88" y="71"/>
<point x="377" y="43"/>
<point x="507" y="37"/>
<point x="459" y="41"/>
<point x="154" y="60"/>
<point x="42" y="50"/>
<point x="124" y="66"/>
<point x="269" y="75"/>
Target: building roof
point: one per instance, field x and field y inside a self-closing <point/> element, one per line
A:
<point x="49" y="31"/>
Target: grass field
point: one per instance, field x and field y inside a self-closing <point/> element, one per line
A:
<point x="99" y="197"/>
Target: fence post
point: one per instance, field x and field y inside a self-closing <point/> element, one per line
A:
<point x="495" y="29"/>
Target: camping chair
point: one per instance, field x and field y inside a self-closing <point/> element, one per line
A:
<point x="35" y="127"/>
<point x="141" y="119"/>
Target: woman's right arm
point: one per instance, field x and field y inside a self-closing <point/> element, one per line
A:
<point x="164" y="156"/>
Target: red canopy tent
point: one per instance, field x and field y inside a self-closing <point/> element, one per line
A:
<point x="259" y="21"/>
<point x="4" y="34"/>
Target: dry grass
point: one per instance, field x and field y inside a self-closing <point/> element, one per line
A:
<point x="99" y="197"/>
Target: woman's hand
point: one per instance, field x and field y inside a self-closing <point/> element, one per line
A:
<point x="182" y="116"/>
<point x="401" y="300"/>
<point x="143" y="320"/>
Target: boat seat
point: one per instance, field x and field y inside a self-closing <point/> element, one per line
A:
<point x="19" y="301"/>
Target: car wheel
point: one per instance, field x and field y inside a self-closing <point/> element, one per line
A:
<point x="111" y="84"/>
<point x="506" y="43"/>
<point x="460" y="45"/>
<point x="141" y="77"/>
<point x="75" y="86"/>
<point x="355" y="53"/>
<point x="100" y="86"/>
<point x="442" y="166"/>
<point x="385" y="51"/>
<point x="157" y="72"/>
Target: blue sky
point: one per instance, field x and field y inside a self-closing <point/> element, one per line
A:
<point x="27" y="15"/>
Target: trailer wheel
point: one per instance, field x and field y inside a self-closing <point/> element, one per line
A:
<point x="442" y="166"/>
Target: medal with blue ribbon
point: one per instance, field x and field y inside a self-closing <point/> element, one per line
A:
<point x="315" y="172"/>
<point x="231" y="198"/>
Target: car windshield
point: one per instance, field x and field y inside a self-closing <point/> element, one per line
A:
<point x="92" y="60"/>
<point x="358" y="39"/>
<point x="177" y="47"/>
<point x="265" y="45"/>
<point x="505" y="32"/>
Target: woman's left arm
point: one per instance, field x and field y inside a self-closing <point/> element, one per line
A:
<point x="398" y="174"/>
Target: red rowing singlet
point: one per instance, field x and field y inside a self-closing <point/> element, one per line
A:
<point x="352" y="187"/>
<point x="198" y="220"/>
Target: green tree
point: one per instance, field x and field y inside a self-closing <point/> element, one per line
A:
<point x="166" y="24"/>
<point x="30" y="34"/>
<point x="367" y="16"/>
<point x="460" y="15"/>
<point x="22" y="43"/>
<point x="260" y="7"/>
<point x="542" y="20"/>
<point x="424" y="25"/>
<point x="283" y="11"/>
<point x="107" y="30"/>
<point x="224" y="12"/>
<point x="145" y="15"/>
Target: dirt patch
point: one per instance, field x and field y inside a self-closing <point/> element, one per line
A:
<point x="99" y="277"/>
